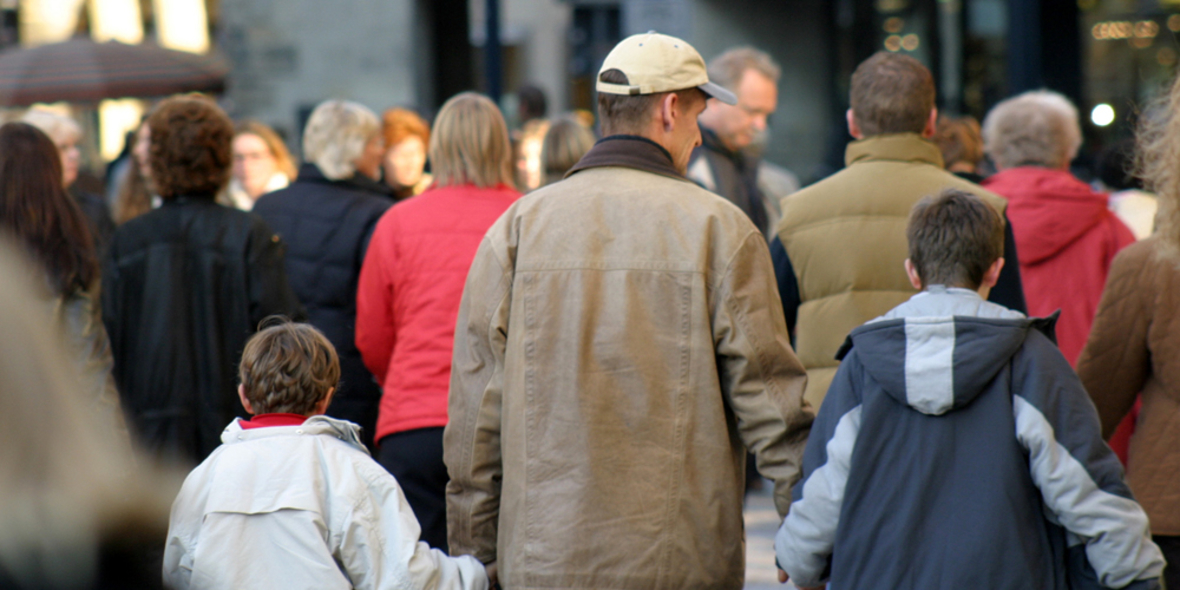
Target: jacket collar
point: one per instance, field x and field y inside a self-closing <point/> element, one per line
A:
<point x="901" y="147"/>
<point x="628" y="151"/>
<point x="311" y="173"/>
<point x="341" y="429"/>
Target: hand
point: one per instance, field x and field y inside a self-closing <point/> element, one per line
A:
<point x="493" y="575"/>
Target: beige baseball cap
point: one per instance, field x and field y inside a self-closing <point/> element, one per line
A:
<point x="659" y="63"/>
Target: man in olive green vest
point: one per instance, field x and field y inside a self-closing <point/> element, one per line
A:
<point x="841" y="243"/>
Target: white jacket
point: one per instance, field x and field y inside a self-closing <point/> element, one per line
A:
<point x="290" y="507"/>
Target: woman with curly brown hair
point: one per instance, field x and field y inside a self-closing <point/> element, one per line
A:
<point x="186" y="284"/>
<point x="1132" y="349"/>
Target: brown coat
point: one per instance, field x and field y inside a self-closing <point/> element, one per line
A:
<point x="619" y="346"/>
<point x="1134" y="347"/>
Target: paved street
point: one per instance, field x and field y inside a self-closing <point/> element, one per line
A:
<point x="761" y="524"/>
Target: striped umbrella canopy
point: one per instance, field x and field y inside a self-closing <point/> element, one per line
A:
<point x="82" y="70"/>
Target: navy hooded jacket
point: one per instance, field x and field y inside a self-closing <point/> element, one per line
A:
<point x="956" y="448"/>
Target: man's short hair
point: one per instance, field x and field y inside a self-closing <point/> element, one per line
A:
<point x="891" y="93"/>
<point x="288" y="368"/>
<point x="954" y="238"/>
<point x="629" y="114"/>
<point x="1036" y="128"/>
<point x="191" y="147"/>
<point x="728" y="68"/>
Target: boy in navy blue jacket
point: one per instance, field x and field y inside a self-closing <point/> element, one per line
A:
<point x="956" y="447"/>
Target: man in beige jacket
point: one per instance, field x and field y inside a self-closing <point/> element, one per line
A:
<point x="618" y="348"/>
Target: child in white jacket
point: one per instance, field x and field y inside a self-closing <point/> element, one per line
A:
<point x="291" y="499"/>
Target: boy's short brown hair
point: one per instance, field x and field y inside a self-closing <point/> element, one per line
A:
<point x="288" y="368"/>
<point x="954" y="238"/>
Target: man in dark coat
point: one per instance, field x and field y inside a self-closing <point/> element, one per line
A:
<point x="184" y="287"/>
<point x="327" y="217"/>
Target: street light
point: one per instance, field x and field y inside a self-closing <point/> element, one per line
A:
<point x="1102" y="115"/>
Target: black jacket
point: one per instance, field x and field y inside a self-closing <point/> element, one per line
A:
<point x="736" y="176"/>
<point x="98" y="216"/>
<point x="184" y="287"/>
<point x="327" y="225"/>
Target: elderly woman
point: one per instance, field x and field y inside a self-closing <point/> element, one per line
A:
<point x="185" y="285"/>
<point x="65" y="134"/>
<point x="327" y="216"/>
<point x="1132" y="347"/>
<point x="406" y="138"/>
<point x="411" y="284"/>
<point x="262" y="164"/>
<point x="1066" y="236"/>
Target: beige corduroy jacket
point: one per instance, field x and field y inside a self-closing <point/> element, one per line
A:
<point x="619" y="347"/>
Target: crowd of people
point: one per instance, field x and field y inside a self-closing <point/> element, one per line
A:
<point x="447" y="354"/>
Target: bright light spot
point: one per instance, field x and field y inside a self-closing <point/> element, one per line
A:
<point x="1102" y="115"/>
<point x="894" y="24"/>
<point x="1174" y="23"/>
<point x="909" y="42"/>
<point x="893" y="43"/>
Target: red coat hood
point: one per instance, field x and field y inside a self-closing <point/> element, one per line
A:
<point x="1049" y="209"/>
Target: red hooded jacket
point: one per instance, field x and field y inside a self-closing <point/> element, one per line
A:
<point x="1066" y="238"/>
<point x="408" y="298"/>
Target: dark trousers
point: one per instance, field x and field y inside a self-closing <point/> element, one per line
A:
<point x="415" y="458"/>
<point x="1171" y="548"/>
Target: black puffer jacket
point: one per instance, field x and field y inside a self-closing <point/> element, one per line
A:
<point x="327" y="225"/>
<point x="183" y="288"/>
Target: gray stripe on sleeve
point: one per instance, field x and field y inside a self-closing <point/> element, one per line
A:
<point x="1115" y="529"/>
<point x="805" y="539"/>
<point x="929" y="364"/>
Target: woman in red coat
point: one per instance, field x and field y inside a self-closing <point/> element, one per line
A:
<point x="1066" y="235"/>
<point x="408" y="297"/>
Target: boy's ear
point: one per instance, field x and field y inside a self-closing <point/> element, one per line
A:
<point x="245" y="400"/>
<point x="992" y="276"/>
<point x="912" y="272"/>
<point x="322" y="406"/>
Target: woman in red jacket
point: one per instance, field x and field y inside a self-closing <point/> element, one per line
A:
<point x="1066" y="235"/>
<point x="409" y="292"/>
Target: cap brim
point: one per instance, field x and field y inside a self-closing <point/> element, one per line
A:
<point x="721" y="94"/>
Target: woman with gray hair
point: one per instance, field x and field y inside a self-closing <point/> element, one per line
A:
<point x="326" y="218"/>
<point x="1066" y="235"/>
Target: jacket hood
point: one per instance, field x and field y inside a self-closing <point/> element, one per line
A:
<point x="939" y="350"/>
<point x="1049" y="209"/>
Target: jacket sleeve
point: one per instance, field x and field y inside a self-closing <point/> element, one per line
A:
<point x="803" y="545"/>
<point x="1115" y="364"/>
<point x="761" y="378"/>
<point x="788" y="284"/>
<point x="376" y="334"/>
<point x="266" y="272"/>
<point x="471" y="441"/>
<point x="1009" y="289"/>
<point x="1079" y="477"/>
<point x="379" y="548"/>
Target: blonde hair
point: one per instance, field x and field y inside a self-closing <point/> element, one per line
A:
<point x="288" y="368"/>
<point x="68" y="481"/>
<point x="470" y="144"/>
<point x="1157" y="162"/>
<point x="565" y="143"/>
<point x="283" y="160"/>
<point x="59" y="128"/>
<point x="1036" y="128"/>
<point x="335" y="136"/>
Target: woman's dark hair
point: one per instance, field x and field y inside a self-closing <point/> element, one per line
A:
<point x="35" y="208"/>
<point x="192" y="147"/>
